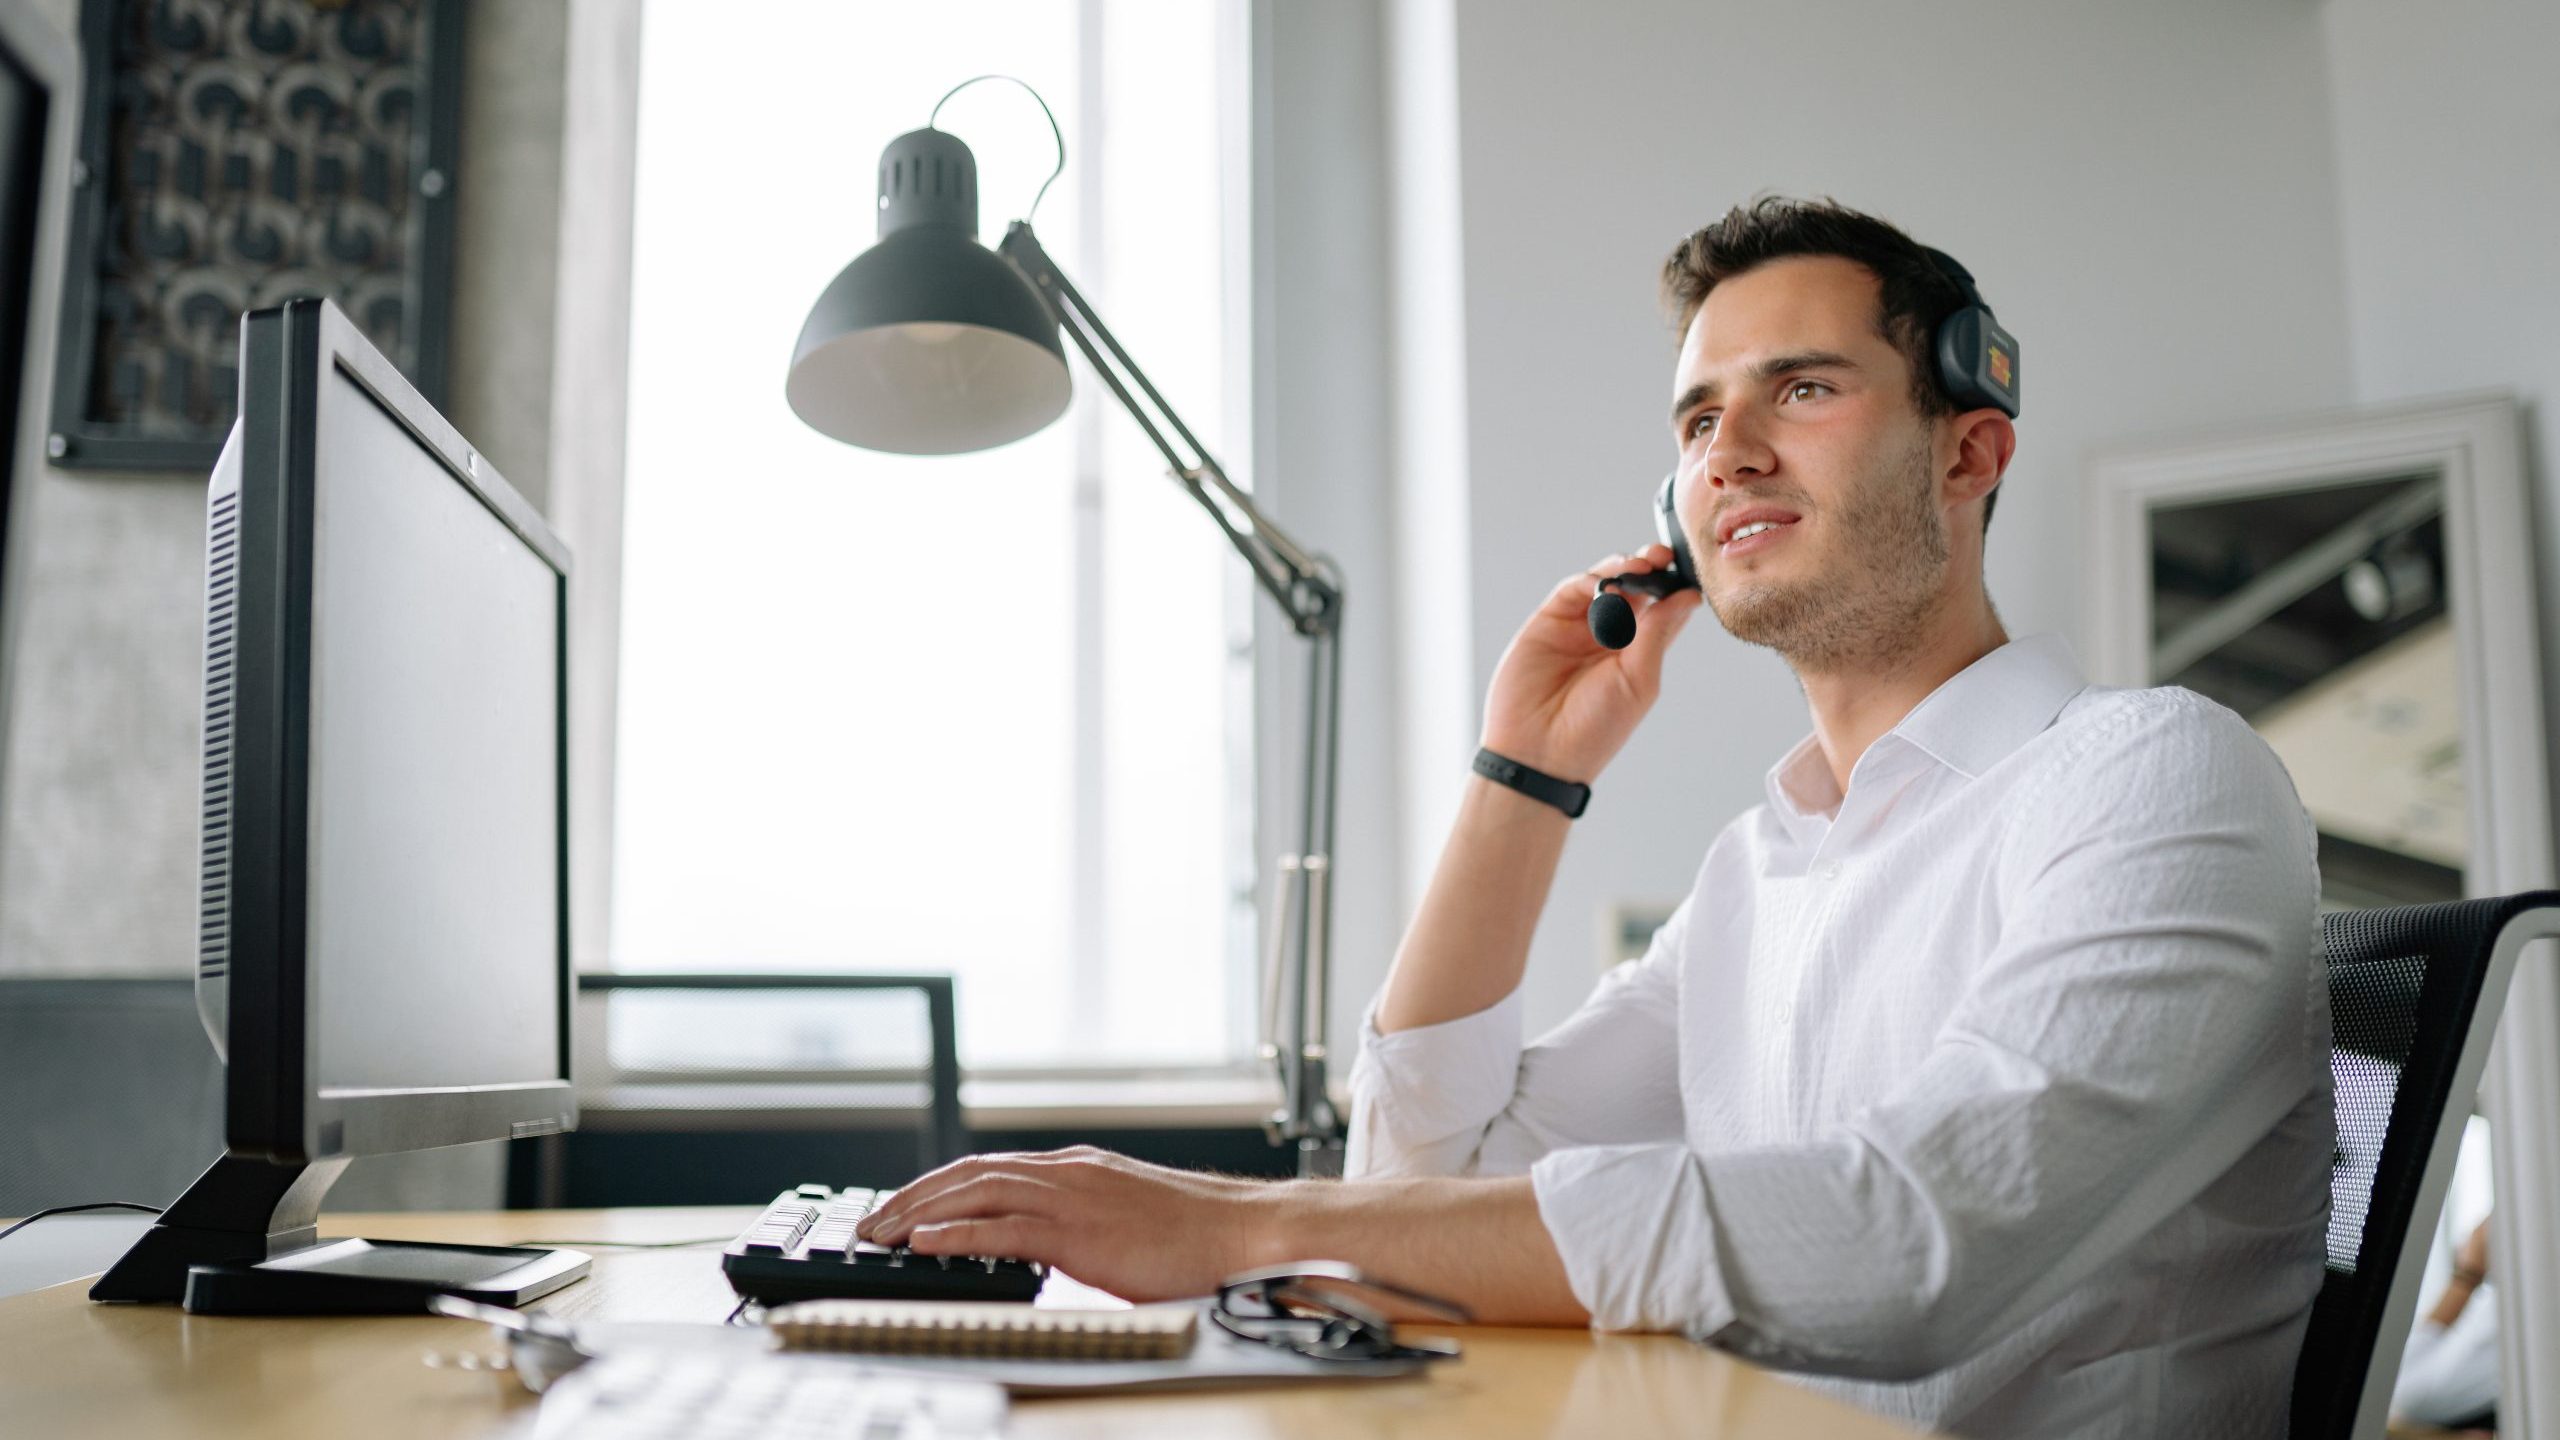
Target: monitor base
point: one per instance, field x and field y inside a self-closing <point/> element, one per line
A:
<point x="244" y="1240"/>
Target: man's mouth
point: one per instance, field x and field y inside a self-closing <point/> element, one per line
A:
<point x="1753" y="530"/>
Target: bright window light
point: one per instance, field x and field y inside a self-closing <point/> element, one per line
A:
<point x="985" y="714"/>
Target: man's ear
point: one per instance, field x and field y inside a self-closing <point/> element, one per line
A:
<point x="1983" y="442"/>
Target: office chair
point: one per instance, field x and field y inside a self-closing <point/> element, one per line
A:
<point x="2414" y="997"/>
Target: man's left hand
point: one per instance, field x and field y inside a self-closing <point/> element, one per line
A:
<point x="1142" y="1232"/>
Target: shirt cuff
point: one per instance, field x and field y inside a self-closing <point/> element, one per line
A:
<point x="1634" y="1227"/>
<point x="1419" y="1095"/>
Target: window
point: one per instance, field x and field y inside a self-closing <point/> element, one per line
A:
<point x="985" y="713"/>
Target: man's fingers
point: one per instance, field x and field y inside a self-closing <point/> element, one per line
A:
<point x="930" y="1188"/>
<point x="993" y="1193"/>
<point x="1660" y="623"/>
<point x="906" y="1205"/>
<point x="932" y="1182"/>
<point x="1574" y="591"/>
<point x="1016" y="1237"/>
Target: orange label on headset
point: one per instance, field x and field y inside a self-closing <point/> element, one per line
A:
<point x="2000" y="370"/>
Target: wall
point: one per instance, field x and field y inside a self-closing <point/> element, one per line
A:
<point x="98" y="876"/>
<point x="2448" y="143"/>
<point x="97" y="842"/>
<point x="99" y="868"/>
<point x="2146" y="193"/>
<point x="1321" y="430"/>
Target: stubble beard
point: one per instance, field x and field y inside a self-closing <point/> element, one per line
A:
<point x="1876" y="610"/>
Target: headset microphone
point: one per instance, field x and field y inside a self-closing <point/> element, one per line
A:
<point x="1613" y="620"/>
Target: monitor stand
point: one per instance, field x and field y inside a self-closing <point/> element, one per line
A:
<point x="245" y="1240"/>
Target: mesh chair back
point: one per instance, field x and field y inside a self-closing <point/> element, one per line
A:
<point x="2408" y="987"/>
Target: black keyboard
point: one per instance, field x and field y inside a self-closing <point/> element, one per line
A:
<point x="802" y="1248"/>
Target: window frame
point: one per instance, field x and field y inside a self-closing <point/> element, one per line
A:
<point x="1238" y="1089"/>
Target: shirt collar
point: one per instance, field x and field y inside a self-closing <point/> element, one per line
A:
<point x="1968" y="724"/>
<point x="1996" y="704"/>
<point x="1801" y="792"/>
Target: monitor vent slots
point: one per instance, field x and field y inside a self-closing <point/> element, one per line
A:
<point x="222" y="577"/>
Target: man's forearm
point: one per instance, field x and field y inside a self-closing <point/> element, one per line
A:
<point x="1469" y="941"/>
<point x="1478" y="1242"/>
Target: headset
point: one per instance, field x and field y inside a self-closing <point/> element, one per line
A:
<point x="1977" y="364"/>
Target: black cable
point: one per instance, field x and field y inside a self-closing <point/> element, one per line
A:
<point x="68" y="1209"/>
<point x="1054" y="133"/>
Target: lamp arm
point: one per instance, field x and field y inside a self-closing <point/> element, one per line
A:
<point x="1302" y="583"/>
<point x="1308" y="590"/>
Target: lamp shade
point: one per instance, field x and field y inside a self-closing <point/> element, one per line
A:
<point x="928" y="343"/>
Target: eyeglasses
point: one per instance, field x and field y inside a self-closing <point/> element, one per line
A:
<point x="539" y="1349"/>
<point x="1313" y="1307"/>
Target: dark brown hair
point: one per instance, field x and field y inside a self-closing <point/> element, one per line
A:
<point x="1916" y="294"/>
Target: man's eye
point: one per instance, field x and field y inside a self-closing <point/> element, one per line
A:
<point x="1702" y="424"/>
<point x="1799" y="389"/>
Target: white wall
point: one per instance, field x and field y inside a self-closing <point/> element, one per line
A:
<point x="2448" y="144"/>
<point x="1321" y="441"/>
<point x="2145" y="192"/>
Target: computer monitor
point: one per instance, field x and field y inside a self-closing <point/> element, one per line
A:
<point x="384" y="951"/>
<point x="39" y="79"/>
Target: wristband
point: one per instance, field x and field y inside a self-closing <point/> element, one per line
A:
<point x="1537" y="785"/>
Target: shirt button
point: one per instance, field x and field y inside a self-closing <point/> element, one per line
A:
<point x="1828" y="870"/>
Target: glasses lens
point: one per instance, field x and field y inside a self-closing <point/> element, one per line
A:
<point x="1325" y="1309"/>
<point x="1334" y="1338"/>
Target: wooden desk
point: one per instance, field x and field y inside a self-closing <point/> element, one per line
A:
<point x="72" y="1368"/>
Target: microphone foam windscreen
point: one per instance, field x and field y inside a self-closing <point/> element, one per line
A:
<point x="1613" y="620"/>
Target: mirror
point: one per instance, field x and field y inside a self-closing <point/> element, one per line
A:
<point x="2320" y="615"/>
<point x="2357" y="586"/>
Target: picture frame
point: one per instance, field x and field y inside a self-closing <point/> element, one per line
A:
<point x="232" y="156"/>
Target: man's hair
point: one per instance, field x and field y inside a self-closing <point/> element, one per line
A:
<point x="1916" y="294"/>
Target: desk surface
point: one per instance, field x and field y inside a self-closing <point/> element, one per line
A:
<point x="68" y="1367"/>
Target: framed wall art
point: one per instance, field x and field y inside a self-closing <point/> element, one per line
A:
<point x="235" y="154"/>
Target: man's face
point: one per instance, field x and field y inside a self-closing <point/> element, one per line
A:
<point x="1792" y="413"/>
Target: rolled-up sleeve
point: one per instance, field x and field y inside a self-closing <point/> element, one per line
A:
<point x="2145" y="1019"/>
<point x="1421" y="1098"/>
<point x="1466" y="1097"/>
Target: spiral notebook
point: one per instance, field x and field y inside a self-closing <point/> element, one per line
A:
<point x="982" y="1330"/>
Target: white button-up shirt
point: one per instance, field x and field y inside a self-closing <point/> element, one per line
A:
<point x="1992" y="1094"/>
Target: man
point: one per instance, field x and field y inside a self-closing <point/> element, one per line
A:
<point x="1984" y="1072"/>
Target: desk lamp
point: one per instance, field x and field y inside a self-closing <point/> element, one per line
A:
<point x="930" y="344"/>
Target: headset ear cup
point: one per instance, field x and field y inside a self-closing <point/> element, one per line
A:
<point x="1978" y="361"/>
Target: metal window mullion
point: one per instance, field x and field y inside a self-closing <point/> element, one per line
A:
<point x="1244" y="120"/>
<point x="1088" y="998"/>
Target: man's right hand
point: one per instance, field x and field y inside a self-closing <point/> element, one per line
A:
<point x="1564" y="703"/>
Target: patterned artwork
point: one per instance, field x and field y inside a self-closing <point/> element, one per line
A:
<point x="237" y="154"/>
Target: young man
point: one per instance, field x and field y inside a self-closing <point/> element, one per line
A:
<point x="1984" y="1072"/>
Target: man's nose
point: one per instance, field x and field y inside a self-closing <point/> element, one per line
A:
<point x="1737" y="453"/>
